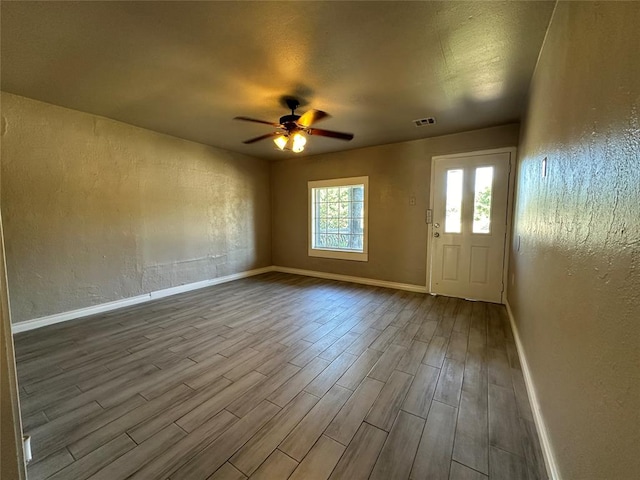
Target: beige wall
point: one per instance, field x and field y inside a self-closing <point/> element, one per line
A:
<point x="397" y="230"/>
<point x="576" y="298"/>
<point x="96" y="210"/>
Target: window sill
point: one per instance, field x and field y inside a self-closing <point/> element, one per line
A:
<point x="339" y="254"/>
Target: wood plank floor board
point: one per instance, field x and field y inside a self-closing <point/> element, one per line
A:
<point x="405" y="336"/>
<point x="242" y="366"/>
<point x="31" y="422"/>
<point x="199" y="374"/>
<point x="368" y="336"/>
<point x="385" y="338"/>
<point x="471" y="446"/>
<point x="250" y="399"/>
<point x="338" y="347"/>
<point x="65" y="379"/>
<point x="504" y="422"/>
<point x="426" y="331"/>
<point x="267" y="439"/>
<point x="277" y="465"/>
<point x="506" y="466"/>
<point x="522" y="399"/>
<point x="361" y="454"/>
<point x="298" y="382"/>
<point x="462" y="472"/>
<point x="147" y="428"/>
<point x="359" y="369"/>
<point x="51" y="464"/>
<point x="498" y="367"/>
<point x="512" y="354"/>
<point x="345" y="425"/>
<point x="55" y="435"/>
<point x="411" y="360"/>
<point x="140" y="455"/>
<point x="126" y="381"/>
<point x="46" y="437"/>
<point x="303" y="358"/>
<point x="284" y="375"/>
<point x="220" y="368"/>
<point x="208" y="460"/>
<point x="450" y="382"/>
<point x="532" y="451"/>
<point x="320" y="461"/>
<point x="387" y="405"/>
<point x="187" y="447"/>
<point x="387" y="363"/>
<point x="420" y="394"/>
<point x="433" y="459"/>
<point x="306" y="433"/>
<point x="100" y="457"/>
<point x="111" y="430"/>
<point x="215" y="404"/>
<point x="402" y="319"/>
<point x="277" y="361"/>
<point x="476" y="377"/>
<point x="109" y="376"/>
<point x="30" y="405"/>
<point x="158" y="382"/>
<point x="463" y="318"/>
<point x="436" y="351"/>
<point x="457" y="348"/>
<point x="399" y="450"/>
<point x="227" y="472"/>
<point x="330" y="375"/>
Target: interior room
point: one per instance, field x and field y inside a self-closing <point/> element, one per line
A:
<point x="313" y="240"/>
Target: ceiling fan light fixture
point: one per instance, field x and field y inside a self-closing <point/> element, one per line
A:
<point x="290" y="129"/>
<point x="281" y="141"/>
<point x="299" y="141"/>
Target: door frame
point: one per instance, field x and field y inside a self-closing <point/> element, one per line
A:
<point x="510" y="197"/>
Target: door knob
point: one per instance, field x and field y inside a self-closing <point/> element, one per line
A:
<point x="436" y="234"/>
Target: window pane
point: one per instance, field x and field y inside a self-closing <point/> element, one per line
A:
<point x="357" y="210"/>
<point x="453" y="213"/>
<point x="482" y="200"/>
<point x="339" y="217"/>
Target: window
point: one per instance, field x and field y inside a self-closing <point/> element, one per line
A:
<point x="453" y="214"/>
<point x="338" y="218"/>
<point x="482" y="200"/>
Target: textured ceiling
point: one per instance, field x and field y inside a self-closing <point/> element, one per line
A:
<point x="187" y="68"/>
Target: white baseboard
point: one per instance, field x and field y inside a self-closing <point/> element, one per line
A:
<point x="127" y="302"/>
<point x="347" y="278"/>
<point x="545" y="443"/>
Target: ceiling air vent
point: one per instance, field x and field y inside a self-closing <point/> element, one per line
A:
<point x="421" y="122"/>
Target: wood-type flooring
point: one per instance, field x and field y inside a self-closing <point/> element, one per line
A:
<point x="280" y="376"/>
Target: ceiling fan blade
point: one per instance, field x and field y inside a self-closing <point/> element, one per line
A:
<point x="330" y="133"/>
<point x="312" y="116"/>
<point x="262" y="137"/>
<point x="255" y="120"/>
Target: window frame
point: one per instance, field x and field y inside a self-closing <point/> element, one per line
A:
<point x="336" y="253"/>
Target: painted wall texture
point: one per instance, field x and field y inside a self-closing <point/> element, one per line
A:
<point x="397" y="230"/>
<point x="95" y="210"/>
<point x="576" y="297"/>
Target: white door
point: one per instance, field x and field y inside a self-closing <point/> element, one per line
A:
<point x="469" y="225"/>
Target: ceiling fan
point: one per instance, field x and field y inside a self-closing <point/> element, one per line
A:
<point x="290" y="130"/>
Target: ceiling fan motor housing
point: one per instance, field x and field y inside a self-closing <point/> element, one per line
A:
<point x="289" y="122"/>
